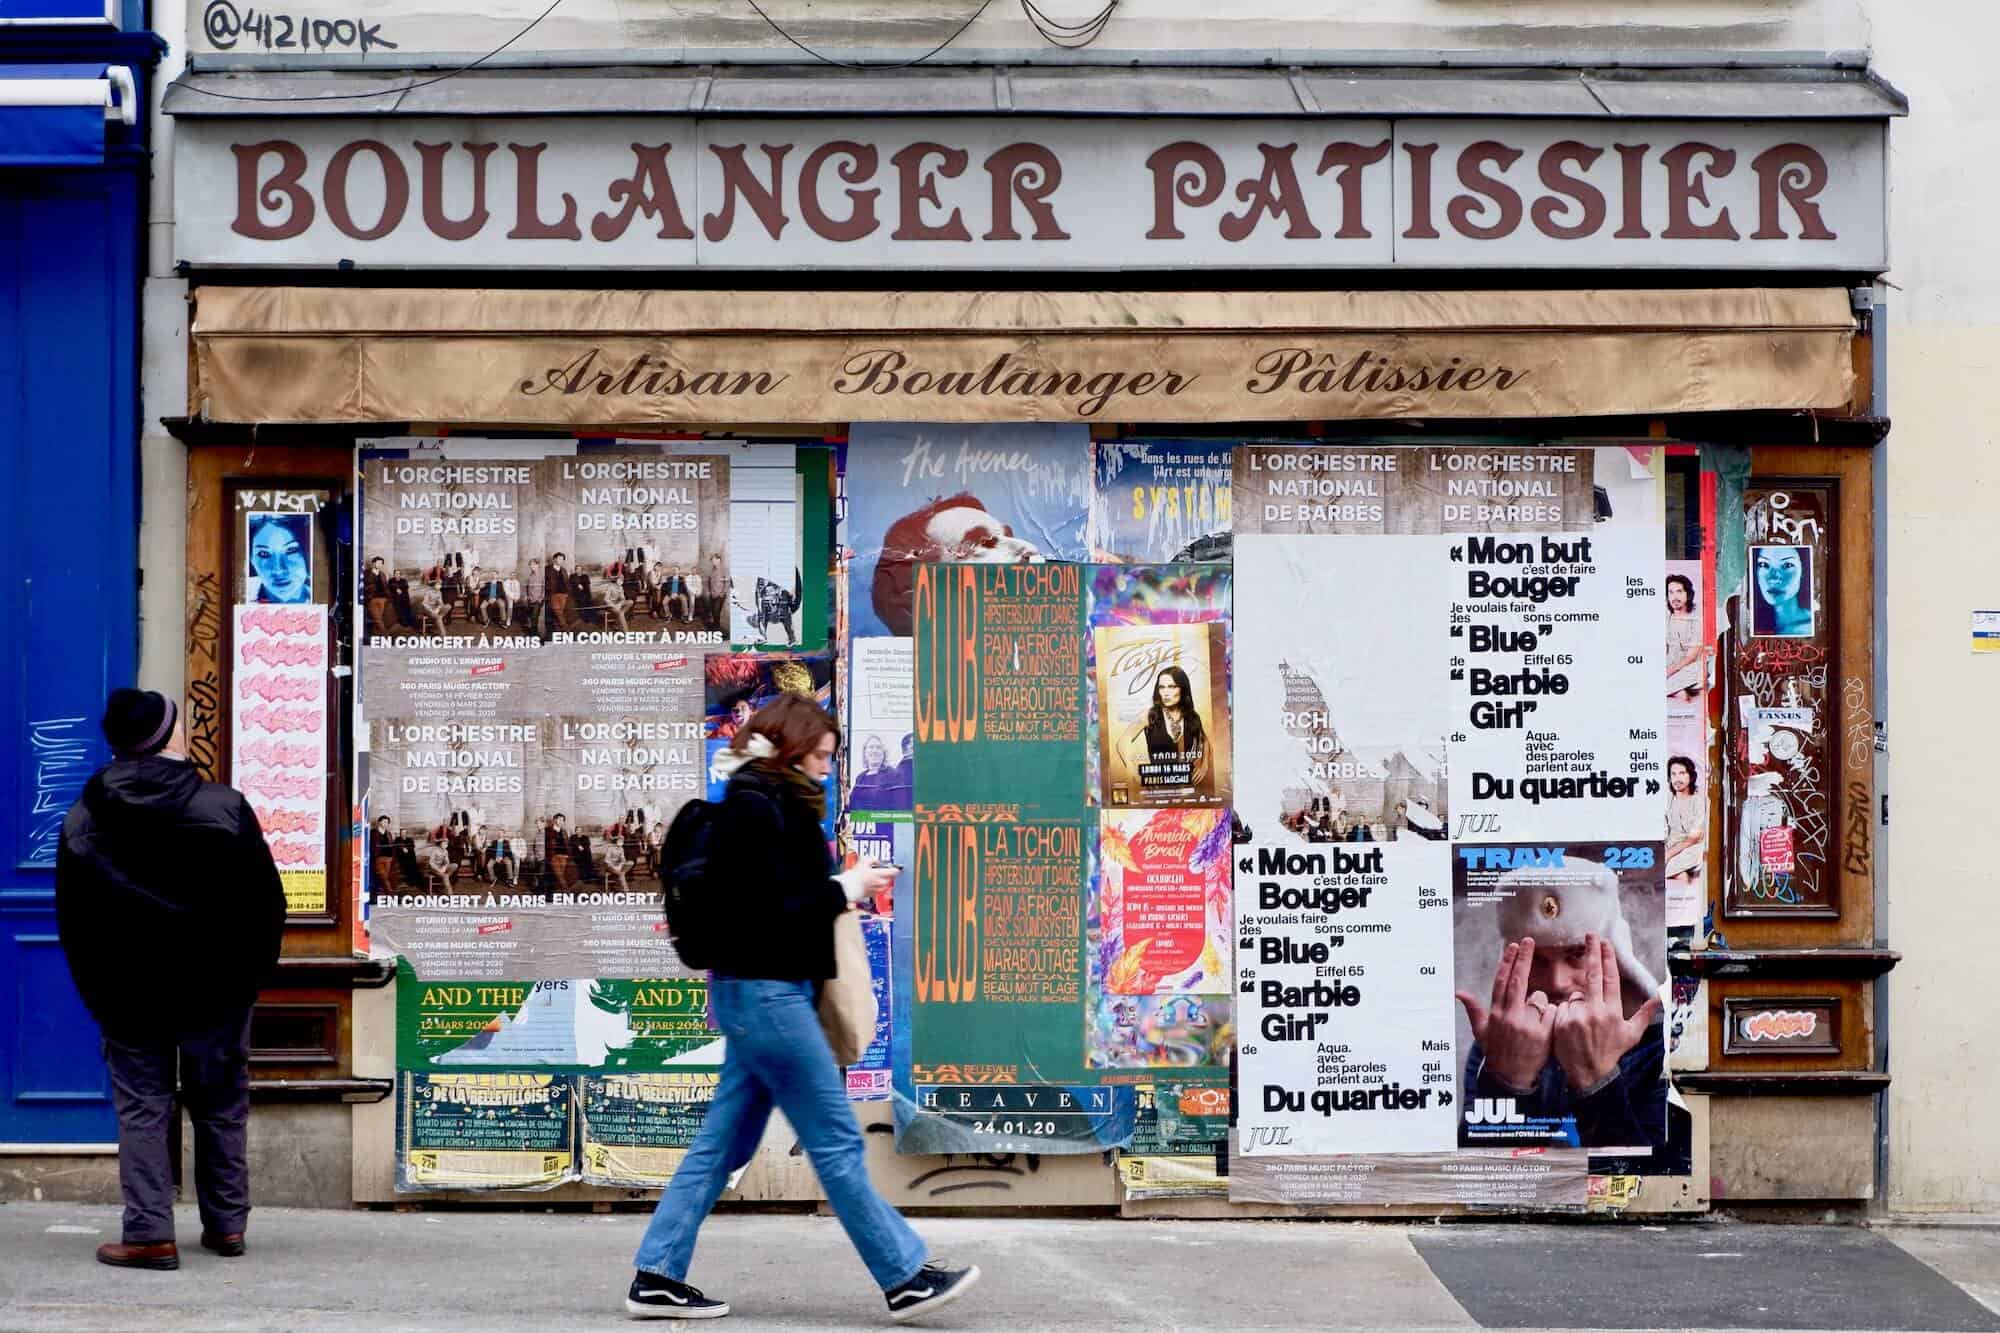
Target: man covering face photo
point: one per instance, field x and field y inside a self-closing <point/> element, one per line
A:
<point x="1569" y="1029"/>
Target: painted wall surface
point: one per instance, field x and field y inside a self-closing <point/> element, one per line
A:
<point x="387" y="33"/>
<point x="1943" y="700"/>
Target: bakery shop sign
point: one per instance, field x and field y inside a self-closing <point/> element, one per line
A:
<point x="1007" y="193"/>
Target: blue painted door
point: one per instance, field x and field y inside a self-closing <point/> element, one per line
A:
<point x="68" y="545"/>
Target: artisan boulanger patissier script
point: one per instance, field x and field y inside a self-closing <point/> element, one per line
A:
<point x="890" y="372"/>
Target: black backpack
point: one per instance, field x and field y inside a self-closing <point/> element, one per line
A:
<point x="688" y="894"/>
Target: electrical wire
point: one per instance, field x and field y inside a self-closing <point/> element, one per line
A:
<point x="1069" y="36"/>
<point x="825" y="59"/>
<point x="383" y="92"/>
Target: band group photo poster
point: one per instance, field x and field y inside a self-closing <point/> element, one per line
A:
<point x="1346" y="767"/>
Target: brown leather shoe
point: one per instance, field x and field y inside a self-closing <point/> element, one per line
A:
<point x="228" y="1246"/>
<point x="164" y="1255"/>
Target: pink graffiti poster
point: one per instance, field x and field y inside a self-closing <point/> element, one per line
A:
<point x="278" y="733"/>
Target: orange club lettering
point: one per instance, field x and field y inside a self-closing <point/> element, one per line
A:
<point x="947" y="618"/>
<point x="945" y="914"/>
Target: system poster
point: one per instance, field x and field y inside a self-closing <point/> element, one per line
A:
<point x="921" y="493"/>
<point x="1161" y="501"/>
<point x="1158" y="927"/>
<point x="636" y="1128"/>
<point x="484" y="1131"/>
<point x="278" y="737"/>
<point x="1438" y="647"/>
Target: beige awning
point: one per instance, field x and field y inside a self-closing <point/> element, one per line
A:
<point x="579" y="359"/>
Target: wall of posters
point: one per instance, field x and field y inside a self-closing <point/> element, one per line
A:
<point x="1450" y="803"/>
<point x="278" y="736"/>
<point x="1515" y="700"/>
<point x="1161" y="501"/>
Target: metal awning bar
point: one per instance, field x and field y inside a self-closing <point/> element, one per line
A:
<point x="1681" y="93"/>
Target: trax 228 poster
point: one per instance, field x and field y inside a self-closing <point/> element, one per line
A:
<point x="1449" y="663"/>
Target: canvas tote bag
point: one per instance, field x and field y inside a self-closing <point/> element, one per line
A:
<point x="847" y="1003"/>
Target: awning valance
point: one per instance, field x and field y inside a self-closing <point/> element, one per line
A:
<point x="579" y="359"/>
<point x="54" y="115"/>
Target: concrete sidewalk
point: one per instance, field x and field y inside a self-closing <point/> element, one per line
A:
<point x="506" y="1271"/>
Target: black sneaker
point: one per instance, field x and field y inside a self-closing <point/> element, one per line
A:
<point x="934" y="1285"/>
<point x="656" y="1297"/>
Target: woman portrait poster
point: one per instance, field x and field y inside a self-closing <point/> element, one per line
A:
<point x="1782" y="580"/>
<point x="1163" y="731"/>
<point x="278" y="557"/>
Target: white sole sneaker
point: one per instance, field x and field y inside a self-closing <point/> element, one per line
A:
<point x="939" y="1301"/>
<point x="647" y="1310"/>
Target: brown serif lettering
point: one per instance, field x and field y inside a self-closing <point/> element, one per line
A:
<point x="649" y="190"/>
<point x="1798" y="173"/>
<point x="1275" y="191"/>
<point x="1548" y="212"/>
<point x="1352" y="159"/>
<point x="1198" y="186"/>
<point x="454" y="229"/>
<point x="860" y="163"/>
<point x="1031" y="173"/>
<point x="395" y="189"/>
<point x="1687" y="185"/>
<point x="767" y="202"/>
<point x="1421" y="227"/>
<point x="1486" y="189"/>
<point x="917" y="186"/>
<point x="282" y="190"/>
<point x="528" y="224"/>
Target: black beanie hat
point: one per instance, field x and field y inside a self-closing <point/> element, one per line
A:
<point x="137" y="722"/>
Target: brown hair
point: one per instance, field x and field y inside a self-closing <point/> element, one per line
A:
<point x="793" y="723"/>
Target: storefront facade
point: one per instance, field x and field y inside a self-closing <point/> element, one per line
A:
<point x="1252" y="358"/>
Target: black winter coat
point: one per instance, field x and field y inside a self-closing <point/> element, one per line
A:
<point x="168" y="902"/>
<point x="778" y="898"/>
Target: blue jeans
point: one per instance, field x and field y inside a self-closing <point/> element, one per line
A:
<point x="777" y="1055"/>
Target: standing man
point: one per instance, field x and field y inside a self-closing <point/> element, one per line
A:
<point x="171" y="911"/>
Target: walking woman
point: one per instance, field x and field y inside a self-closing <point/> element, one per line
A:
<point x="773" y="949"/>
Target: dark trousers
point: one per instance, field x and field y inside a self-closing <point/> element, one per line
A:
<point x="214" y="1073"/>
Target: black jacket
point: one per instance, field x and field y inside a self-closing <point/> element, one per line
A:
<point x="168" y="902"/>
<point x="775" y="918"/>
